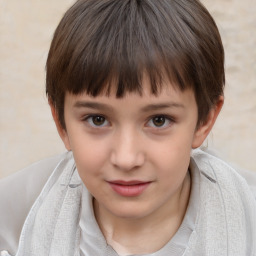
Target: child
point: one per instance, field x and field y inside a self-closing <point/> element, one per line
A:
<point x="135" y="87"/>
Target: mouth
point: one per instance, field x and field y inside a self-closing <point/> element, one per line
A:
<point x="129" y="188"/>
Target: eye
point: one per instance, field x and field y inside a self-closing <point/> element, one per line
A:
<point x="160" y="121"/>
<point x="97" y="121"/>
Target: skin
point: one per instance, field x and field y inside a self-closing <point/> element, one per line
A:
<point x="144" y="138"/>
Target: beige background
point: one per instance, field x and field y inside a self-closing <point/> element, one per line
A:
<point x="27" y="132"/>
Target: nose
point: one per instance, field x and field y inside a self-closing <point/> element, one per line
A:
<point x="127" y="153"/>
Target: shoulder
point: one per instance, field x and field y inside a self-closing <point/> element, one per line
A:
<point x="17" y="194"/>
<point x="208" y="161"/>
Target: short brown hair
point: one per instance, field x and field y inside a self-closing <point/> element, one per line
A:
<point x="99" y="42"/>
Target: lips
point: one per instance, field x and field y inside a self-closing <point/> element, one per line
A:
<point x="129" y="188"/>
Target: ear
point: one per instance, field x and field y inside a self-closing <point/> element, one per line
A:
<point x="204" y="129"/>
<point x="62" y="132"/>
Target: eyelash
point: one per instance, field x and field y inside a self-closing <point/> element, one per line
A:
<point x="149" y="123"/>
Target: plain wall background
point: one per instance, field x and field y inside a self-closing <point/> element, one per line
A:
<point x="27" y="131"/>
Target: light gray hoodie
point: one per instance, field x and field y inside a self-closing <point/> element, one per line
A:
<point x="225" y="223"/>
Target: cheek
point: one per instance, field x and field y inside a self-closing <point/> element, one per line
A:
<point x="173" y="158"/>
<point x="90" y="155"/>
<point x="173" y="173"/>
<point x="175" y="148"/>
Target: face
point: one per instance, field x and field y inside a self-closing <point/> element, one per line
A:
<point x="133" y="153"/>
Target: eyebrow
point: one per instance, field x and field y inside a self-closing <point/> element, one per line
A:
<point x="154" y="107"/>
<point x="148" y="108"/>
<point x="93" y="105"/>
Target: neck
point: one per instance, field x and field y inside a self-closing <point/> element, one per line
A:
<point x="147" y="234"/>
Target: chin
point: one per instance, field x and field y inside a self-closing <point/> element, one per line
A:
<point x="131" y="211"/>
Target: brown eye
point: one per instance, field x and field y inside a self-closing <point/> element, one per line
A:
<point x="159" y="121"/>
<point x="97" y="121"/>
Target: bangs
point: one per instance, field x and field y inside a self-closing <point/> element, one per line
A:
<point x="117" y="44"/>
